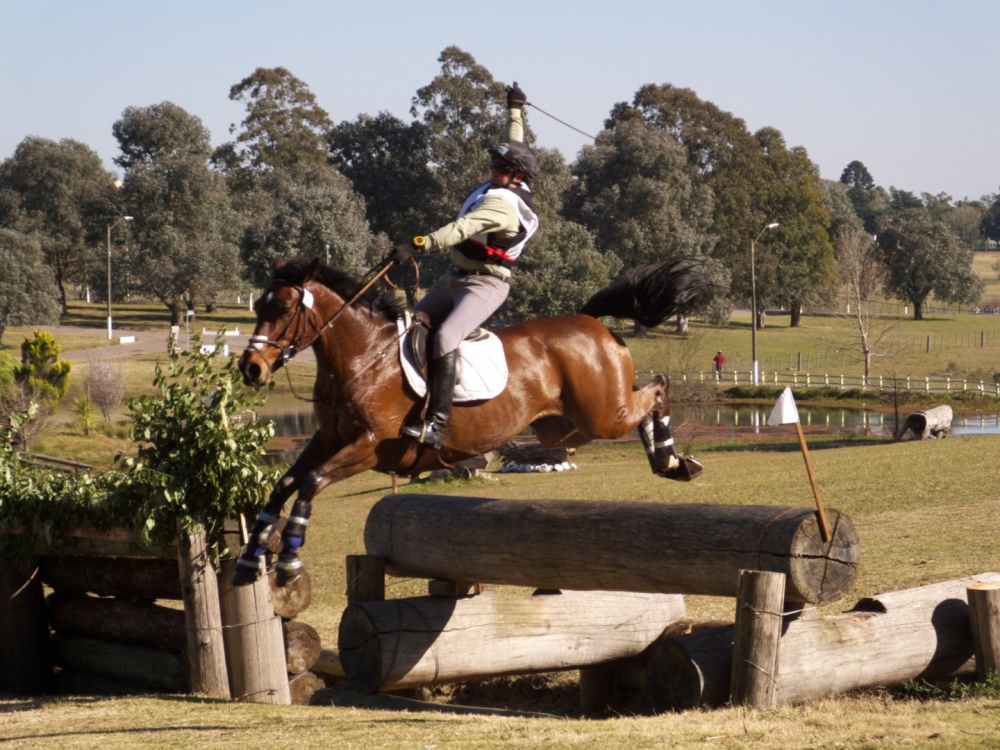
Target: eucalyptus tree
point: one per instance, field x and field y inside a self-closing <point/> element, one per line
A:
<point x="289" y="198"/>
<point x="990" y="223"/>
<point x="463" y="110"/>
<point x="925" y="257"/>
<point x="634" y="191"/>
<point x="62" y="194"/>
<point x="796" y="265"/>
<point x="561" y="268"/>
<point x="28" y="292"/>
<point x="721" y="154"/>
<point x="388" y="164"/>
<point x="184" y="229"/>
<point x="868" y="199"/>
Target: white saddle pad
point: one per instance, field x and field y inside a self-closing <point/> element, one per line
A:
<point x="481" y="367"/>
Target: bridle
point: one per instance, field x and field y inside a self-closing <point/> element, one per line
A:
<point x="305" y="307"/>
<point x="306" y="304"/>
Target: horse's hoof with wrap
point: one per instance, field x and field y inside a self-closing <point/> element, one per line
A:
<point x="686" y="470"/>
<point x="288" y="569"/>
<point x="248" y="571"/>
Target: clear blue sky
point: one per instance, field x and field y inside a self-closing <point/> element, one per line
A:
<point x="909" y="87"/>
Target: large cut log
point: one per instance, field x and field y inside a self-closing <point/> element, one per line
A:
<point x="650" y="547"/>
<point x="404" y="643"/>
<point x="200" y="591"/>
<point x="122" y="620"/>
<point x="921" y="633"/>
<point x="113" y="543"/>
<point x="302" y="646"/>
<point x="25" y="651"/>
<point x="129" y="577"/>
<point x="927" y="425"/>
<point x="293" y="598"/>
<point x="255" y="652"/>
<point x="152" y="667"/>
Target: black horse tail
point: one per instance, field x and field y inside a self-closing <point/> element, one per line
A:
<point x="652" y="293"/>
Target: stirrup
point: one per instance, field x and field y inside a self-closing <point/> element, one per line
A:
<point x="424" y="433"/>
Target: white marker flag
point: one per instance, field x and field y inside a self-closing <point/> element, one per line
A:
<point x="785" y="411"/>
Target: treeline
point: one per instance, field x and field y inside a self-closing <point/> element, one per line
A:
<point x="669" y="174"/>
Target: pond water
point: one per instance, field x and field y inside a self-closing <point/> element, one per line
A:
<point x="294" y="418"/>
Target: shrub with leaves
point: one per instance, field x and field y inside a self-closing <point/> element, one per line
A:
<point x="200" y="451"/>
<point x="200" y="447"/>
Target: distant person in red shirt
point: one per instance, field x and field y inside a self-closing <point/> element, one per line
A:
<point x="719" y="361"/>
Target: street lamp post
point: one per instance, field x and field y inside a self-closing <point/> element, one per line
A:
<point x="755" y="375"/>
<point x="110" y="227"/>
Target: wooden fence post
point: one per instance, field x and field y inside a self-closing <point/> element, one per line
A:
<point x="255" y="644"/>
<point x="365" y="579"/>
<point x="984" y="614"/>
<point x="200" y="591"/>
<point x="759" y="608"/>
<point x="25" y="649"/>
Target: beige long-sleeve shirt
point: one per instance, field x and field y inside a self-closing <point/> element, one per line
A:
<point x="494" y="214"/>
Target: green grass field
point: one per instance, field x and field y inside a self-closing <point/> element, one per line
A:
<point x="925" y="512"/>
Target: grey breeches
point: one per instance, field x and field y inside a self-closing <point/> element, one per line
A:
<point x="457" y="305"/>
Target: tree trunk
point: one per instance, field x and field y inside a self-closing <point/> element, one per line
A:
<point x="638" y="330"/>
<point x="128" y="577"/>
<point x="612" y="546"/>
<point x="119" y="620"/>
<point x="151" y="667"/>
<point x="761" y="319"/>
<point x="683" y="323"/>
<point x="796" y="314"/>
<point x="25" y="650"/>
<point x="403" y="643"/>
<point x="918" y="310"/>
<point x="921" y="633"/>
<point x="2" y="329"/>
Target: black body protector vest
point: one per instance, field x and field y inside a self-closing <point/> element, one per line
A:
<point x="492" y="248"/>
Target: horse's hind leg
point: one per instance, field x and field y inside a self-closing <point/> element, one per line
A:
<point x="664" y="460"/>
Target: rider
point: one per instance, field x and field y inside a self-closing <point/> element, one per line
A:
<point x="487" y="237"/>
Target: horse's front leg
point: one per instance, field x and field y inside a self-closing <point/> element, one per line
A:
<point x="353" y="459"/>
<point x="654" y="432"/>
<point x="250" y="566"/>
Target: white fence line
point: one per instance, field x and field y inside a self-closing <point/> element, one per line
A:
<point x="881" y="383"/>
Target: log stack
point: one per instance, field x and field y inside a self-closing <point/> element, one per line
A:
<point x="611" y="546"/>
<point x="107" y="623"/>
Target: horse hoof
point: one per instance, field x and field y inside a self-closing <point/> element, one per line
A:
<point x="288" y="569"/>
<point x="247" y="572"/>
<point x="687" y="470"/>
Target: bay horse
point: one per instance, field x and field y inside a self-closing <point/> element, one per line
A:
<point x="570" y="378"/>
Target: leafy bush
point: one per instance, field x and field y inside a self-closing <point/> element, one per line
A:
<point x="200" y="448"/>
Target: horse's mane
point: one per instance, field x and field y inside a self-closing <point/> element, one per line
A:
<point x="378" y="299"/>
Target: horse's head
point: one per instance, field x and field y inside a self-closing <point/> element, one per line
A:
<point x="287" y="323"/>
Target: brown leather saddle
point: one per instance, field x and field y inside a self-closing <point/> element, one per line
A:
<point x="419" y="339"/>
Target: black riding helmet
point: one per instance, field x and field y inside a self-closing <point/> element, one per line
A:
<point x="519" y="155"/>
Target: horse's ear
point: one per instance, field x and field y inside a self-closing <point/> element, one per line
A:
<point x="277" y="263"/>
<point x="311" y="270"/>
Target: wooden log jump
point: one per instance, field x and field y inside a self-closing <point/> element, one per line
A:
<point x="578" y="545"/>
<point x="404" y="643"/>
<point x="927" y="425"/>
<point x="885" y="640"/>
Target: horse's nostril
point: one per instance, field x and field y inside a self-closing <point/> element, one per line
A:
<point x="251" y="372"/>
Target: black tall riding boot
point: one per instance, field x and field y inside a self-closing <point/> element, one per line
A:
<point x="441" y="382"/>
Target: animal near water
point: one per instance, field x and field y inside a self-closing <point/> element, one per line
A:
<point x="570" y="378"/>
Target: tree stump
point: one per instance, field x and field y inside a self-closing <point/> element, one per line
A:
<point x="984" y="615"/>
